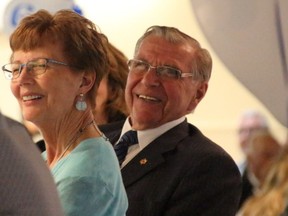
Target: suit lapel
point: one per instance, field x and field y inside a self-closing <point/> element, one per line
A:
<point x="152" y="155"/>
<point x="112" y="130"/>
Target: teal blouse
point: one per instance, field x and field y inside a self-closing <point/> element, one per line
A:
<point x="89" y="180"/>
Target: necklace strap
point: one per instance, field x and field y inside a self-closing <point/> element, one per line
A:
<point x="73" y="140"/>
<point x="99" y="131"/>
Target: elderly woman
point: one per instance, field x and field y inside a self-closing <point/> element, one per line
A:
<point x="56" y="66"/>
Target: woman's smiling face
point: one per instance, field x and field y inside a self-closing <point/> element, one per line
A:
<point x="49" y="94"/>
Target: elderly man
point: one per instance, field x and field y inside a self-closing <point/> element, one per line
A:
<point x="171" y="168"/>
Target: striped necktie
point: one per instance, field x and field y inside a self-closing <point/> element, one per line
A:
<point x="121" y="148"/>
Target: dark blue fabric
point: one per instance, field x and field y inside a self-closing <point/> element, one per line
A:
<point x="121" y="148"/>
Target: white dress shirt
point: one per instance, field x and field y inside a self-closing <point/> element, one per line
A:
<point x="145" y="137"/>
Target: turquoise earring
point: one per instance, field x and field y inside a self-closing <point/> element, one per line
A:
<point x="81" y="105"/>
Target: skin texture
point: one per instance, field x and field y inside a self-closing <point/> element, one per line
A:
<point x="153" y="102"/>
<point x="49" y="110"/>
<point x="44" y="86"/>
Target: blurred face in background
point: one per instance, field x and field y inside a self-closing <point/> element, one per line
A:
<point x="246" y="127"/>
<point x="262" y="152"/>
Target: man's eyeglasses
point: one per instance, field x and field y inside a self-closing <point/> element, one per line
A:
<point x="165" y="72"/>
<point x="34" y="67"/>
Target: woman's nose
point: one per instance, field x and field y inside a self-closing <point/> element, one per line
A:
<point x="25" y="77"/>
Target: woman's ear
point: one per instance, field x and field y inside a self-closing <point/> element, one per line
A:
<point x="87" y="82"/>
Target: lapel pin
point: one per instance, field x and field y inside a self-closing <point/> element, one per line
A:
<point x="143" y="161"/>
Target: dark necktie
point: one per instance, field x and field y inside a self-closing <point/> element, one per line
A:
<point x="121" y="148"/>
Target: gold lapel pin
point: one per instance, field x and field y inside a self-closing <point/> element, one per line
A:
<point x="143" y="161"/>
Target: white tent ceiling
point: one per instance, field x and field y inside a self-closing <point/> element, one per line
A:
<point x="251" y="38"/>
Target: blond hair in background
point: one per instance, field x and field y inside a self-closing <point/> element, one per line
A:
<point x="271" y="199"/>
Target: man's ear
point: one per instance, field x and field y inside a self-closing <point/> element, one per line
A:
<point x="199" y="95"/>
<point x="87" y="82"/>
<point x="201" y="92"/>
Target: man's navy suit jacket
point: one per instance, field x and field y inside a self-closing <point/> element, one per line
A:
<point x="181" y="172"/>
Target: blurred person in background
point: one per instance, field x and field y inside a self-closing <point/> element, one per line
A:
<point x="26" y="186"/>
<point x="110" y="97"/>
<point x="250" y="120"/>
<point x="262" y="150"/>
<point x="272" y="197"/>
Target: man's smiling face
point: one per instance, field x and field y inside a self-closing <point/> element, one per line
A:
<point x="153" y="101"/>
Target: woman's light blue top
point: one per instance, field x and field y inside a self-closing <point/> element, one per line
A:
<point x="89" y="180"/>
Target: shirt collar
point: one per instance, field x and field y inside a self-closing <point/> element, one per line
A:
<point x="147" y="136"/>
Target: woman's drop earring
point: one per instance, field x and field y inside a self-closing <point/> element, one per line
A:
<point x="81" y="105"/>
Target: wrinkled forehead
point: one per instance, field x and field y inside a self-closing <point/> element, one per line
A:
<point x="164" y="43"/>
<point x="159" y="51"/>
